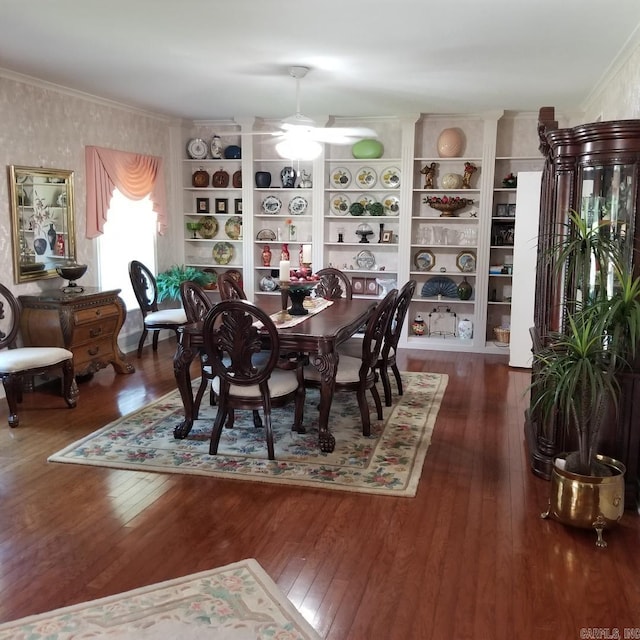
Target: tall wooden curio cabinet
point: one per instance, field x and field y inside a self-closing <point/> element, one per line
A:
<point x="593" y="169"/>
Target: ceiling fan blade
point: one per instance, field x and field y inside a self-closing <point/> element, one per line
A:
<point x="299" y="126"/>
<point x="261" y="133"/>
<point x="341" y="135"/>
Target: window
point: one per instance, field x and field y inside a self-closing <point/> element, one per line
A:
<point x="129" y="234"/>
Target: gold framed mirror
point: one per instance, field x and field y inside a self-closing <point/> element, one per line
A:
<point x="42" y="220"/>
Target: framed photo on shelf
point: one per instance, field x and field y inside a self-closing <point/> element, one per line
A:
<point x="358" y="285"/>
<point x="387" y="236"/>
<point x="222" y="205"/>
<point x="237" y="206"/>
<point x="424" y="260"/>
<point x="466" y="261"/>
<point x="202" y="205"/>
<point x="502" y="210"/>
<point x="512" y="210"/>
<point x="371" y="286"/>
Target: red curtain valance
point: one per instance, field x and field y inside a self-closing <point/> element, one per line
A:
<point x="134" y="174"/>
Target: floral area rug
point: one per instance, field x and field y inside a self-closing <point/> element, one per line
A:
<point x="236" y="602"/>
<point x="388" y="462"/>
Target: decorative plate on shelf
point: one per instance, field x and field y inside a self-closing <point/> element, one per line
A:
<point x="267" y="283"/>
<point x="366" y="178"/>
<point x="298" y="205"/>
<point x="391" y="205"/>
<point x="439" y="286"/>
<point x="366" y="260"/>
<point x="197" y="149"/>
<point x="424" y="260"/>
<point x="271" y="204"/>
<point x="340" y="205"/>
<point x="222" y="252"/>
<point x="340" y="177"/>
<point x="365" y="201"/>
<point x="466" y="261"/>
<point x="266" y="234"/>
<point x="208" y="227"/>
<point x="233" y="227"/>
<point x="390" y="178"/>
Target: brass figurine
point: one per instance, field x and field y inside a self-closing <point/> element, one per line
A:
<point x="429" y="171"/>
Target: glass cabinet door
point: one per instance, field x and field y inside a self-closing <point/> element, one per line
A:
<point x="606" y="200"/>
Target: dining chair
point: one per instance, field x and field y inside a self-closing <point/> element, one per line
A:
<point x="358" y="373"/>
<point x="387" y="359"/>
<point x="333" y="284"/>
<point x="18" y="363"/>
<point x="196" y="304"/>
<point x="154" y="319"/>
<point x="246" y="375"/>
<point x="230" y="288"/>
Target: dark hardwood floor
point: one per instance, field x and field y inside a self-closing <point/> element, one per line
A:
<point x="468" y="557"/>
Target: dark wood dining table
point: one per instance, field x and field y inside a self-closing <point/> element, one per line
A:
<point x="319" y="335"/>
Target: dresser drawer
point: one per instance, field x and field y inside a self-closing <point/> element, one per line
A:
<point x="87" y="323"/>
<point x="91" y="314"/>
<point x="92" y="331"/>
<point x="101" y="349"/>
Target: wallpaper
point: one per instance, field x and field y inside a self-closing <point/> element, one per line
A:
<point x="618" y="96"/>
<point x="47" y="127"/>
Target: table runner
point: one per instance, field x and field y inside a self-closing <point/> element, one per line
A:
<point x="312" y="305"/>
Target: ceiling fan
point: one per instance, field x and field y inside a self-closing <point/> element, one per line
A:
<point x="300" y="138"/>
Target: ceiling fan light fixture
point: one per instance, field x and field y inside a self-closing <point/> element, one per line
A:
<point x="298" y="148"/>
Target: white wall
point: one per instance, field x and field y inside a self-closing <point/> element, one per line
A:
<point x="525" y="254"/>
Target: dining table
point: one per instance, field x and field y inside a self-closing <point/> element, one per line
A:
<point x="319" y="335"/>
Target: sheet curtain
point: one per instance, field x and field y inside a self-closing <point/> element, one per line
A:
<point x="135" y="175"/>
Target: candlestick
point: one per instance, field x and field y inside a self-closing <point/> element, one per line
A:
<point x="283" y="314"/>
<point x="306" y="254"/>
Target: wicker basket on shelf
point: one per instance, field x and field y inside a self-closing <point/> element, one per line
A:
<point x="502" y="334"/>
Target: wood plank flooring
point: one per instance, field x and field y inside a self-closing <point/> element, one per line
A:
<point x="467" y="558"/>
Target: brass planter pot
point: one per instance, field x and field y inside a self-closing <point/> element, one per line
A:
<point x="588" y="502"/>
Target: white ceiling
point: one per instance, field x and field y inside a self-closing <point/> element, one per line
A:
<point x="205" y="59"/>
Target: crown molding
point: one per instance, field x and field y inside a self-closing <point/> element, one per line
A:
<point x="105" y="102"/>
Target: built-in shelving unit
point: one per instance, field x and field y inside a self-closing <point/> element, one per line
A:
<point x="409" y="239"/>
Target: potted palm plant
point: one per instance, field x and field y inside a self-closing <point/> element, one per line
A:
<point x="578" y="372"/>
<point x="169" y="281"/>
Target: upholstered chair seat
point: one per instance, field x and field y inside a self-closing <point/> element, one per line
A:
<point x="18" y="363"/>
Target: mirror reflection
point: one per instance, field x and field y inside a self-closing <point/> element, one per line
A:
<point x="42" y="221"/>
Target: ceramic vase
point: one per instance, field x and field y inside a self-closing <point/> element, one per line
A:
<point x="450" y="142"/>
<point x="288" y="177"/>
<point x="40" y="246"/>
<point x="465" y="329"/>
<point x="417" y="326"/>
<point x="53" y="236"/>
<point x="60" y="245"/>
<point x="266" y="256"/>
<point x="464" y="290"/>
<point x="216" y="148"/>
<point x="263" y="179"/>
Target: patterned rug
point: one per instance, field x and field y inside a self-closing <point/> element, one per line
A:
<point x="388" y="462"/>
<point x="236" y="602"/>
